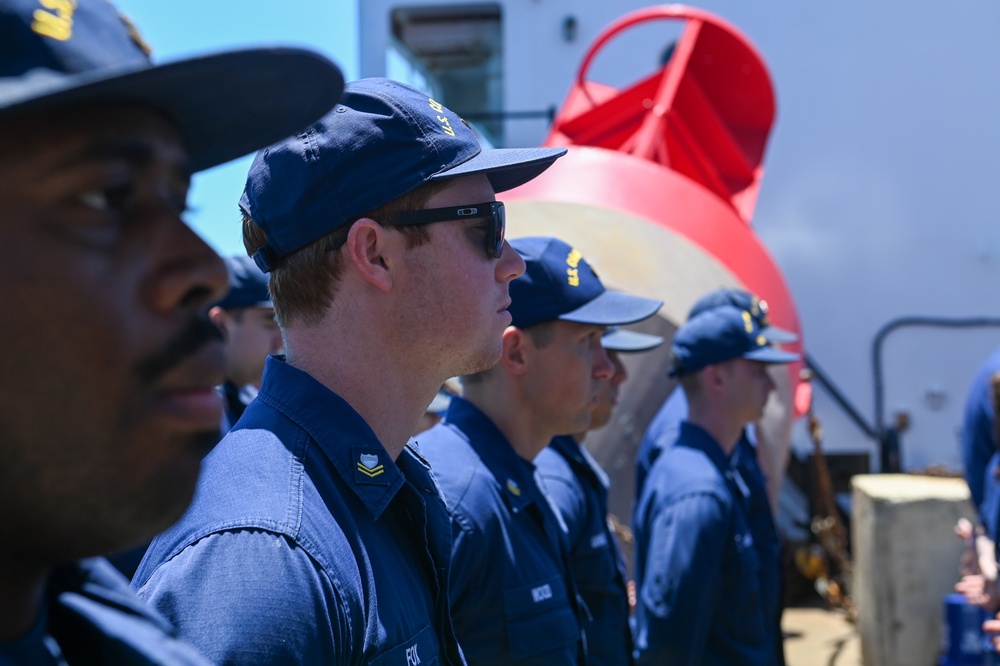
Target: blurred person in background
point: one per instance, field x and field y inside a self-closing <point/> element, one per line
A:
<point x="578" y="487"/>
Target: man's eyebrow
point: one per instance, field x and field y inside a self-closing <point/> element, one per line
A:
<point x="136" y="151"/>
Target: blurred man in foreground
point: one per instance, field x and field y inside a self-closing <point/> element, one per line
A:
<point x="109" y="358"/>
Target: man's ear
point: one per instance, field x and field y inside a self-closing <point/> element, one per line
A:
<point x="365" y="249"/>
<point x="713" y="379"/>
<point x="516" y="354"/>
<point x="220" y="318"/>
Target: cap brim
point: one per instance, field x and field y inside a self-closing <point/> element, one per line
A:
<point x="770" y="354"/>
<point x="778" y="336"/>
<point x="225" y="105"/>
<point x="506" y="168"/>
<point x="623" y="340"/>
<point x="613" y="308"/>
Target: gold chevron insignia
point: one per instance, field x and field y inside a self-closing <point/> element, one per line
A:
<point x="371" y="473"/>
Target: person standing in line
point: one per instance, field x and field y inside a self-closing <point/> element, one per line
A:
<point x="317" y="535"/>
<point x="109" y="361"/>
<point x="701" y="592"/>
<point x="662" y="433"/>
<point x="245" y="315"/>
<point x="513" y="595"/>
<point x="578" y="487"/>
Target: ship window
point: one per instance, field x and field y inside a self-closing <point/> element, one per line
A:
<point x="454" y="53"/>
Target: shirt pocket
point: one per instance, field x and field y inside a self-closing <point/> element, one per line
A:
<point x="596" y="570"/>
<point x="540" y="618"/>
<point x="421" y="649"/>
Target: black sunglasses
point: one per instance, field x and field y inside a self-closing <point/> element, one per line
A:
<point x="491" y="210"/>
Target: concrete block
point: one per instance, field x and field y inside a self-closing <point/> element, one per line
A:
<point x="906" y="559"/>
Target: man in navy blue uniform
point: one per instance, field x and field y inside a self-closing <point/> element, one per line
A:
<point x="512" y="593"/>
<point x="245" y="316"/>
<point x="662" y="434"/>
<point x="978" y="439"/>
<point x="578" y="487"/>
<point x="700" y="588"/>
<point x="109" y="360"/>
<point x="662" y="430"/>
<point x="982" y="466"/>
<point x="316" y="535"/>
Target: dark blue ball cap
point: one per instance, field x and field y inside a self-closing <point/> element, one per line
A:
<point x="247" y="285"/>
<point x="558" y="283"/>
<point x="743" y="300"/>
<point x="383" y="140"/>
<point x="60" y="54"/>
<point x="624" y="340"/>
<point x="721" y="334"/>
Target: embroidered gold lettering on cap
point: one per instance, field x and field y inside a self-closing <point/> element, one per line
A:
<point x="761" y="341"/>
<point x="747" y="321"/>
<point x="514" y="489"/>
<point x="573" y="272"/>
<point x="445" y="124"/>
<point x="57" y="22"/>
<point x="369" y="465"/>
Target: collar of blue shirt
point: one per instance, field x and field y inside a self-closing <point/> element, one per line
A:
<point x="513" y="473"/>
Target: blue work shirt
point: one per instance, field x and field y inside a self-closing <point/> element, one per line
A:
<point x="512" y="597"/>
<point x="661" y="433"/>
<point x="306" y="543"/>
<point x="978" y="445"/>
<point x="90" y="616"/>
<point x="698" y="575"/>
<point x="989" y="510"/>
<point x="578" y="487"/>
<point x="765" y="536"/>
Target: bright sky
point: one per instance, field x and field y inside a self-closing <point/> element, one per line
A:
<point x="186" y="27"/>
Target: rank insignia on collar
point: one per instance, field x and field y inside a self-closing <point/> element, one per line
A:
<point x="514" y="489"/>
<point x="368" y="467"/>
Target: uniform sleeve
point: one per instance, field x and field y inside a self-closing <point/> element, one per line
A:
<point x="467" y="563"/>
<point x="660" y="435"/>
<point x="252" y="597"/>
<point x="681" y="588"/>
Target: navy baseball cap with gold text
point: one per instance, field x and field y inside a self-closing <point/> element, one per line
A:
<point x="80" y="52"/>
<point x="756" y="306"/>
<point x="558" y="283"/>
<point x="383" y="140"/>
<point x="722" y="334"/>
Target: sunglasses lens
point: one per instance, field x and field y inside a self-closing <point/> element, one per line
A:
<point x="500" y="228"/>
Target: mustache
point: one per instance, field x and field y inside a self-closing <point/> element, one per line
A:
<point x="198" y="333"/>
